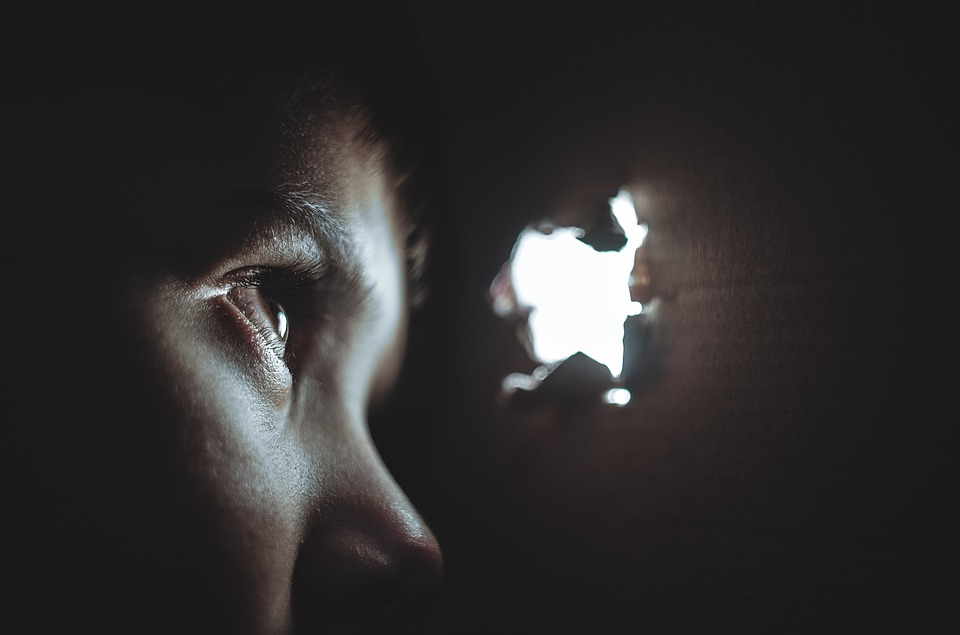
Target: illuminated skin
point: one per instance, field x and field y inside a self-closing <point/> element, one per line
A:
<point x="250" y="316"/>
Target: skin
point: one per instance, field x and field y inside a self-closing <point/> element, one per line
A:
<point x="201" y="472"/>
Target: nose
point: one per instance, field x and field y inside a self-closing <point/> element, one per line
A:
<point x="368" y="561"/>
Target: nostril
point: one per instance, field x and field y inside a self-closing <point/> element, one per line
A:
<point x="371" y="572"/>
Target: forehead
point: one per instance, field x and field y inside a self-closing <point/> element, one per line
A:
<point x="181" y="160"/>
<point x="242" y="129"/>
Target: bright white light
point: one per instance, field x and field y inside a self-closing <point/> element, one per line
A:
<point x="519" y="381"/>
<point x="617" y="396"/>
<point x="502" y="305"/>
<point x="578" y="298"/>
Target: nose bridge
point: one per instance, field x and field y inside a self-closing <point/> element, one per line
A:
<point x="372" y="506"/>
<point x="367" y="555"/>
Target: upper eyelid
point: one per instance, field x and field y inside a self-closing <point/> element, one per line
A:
<point x="292" y="238"/>
<point x="295" y="283"/>
<point x="294" y="274"/>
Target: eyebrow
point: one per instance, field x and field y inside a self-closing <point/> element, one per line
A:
<point x="266" y="212"/>
<point x="312" y="214"/>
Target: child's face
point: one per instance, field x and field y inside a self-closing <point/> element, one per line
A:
<point x="256" y="312"/>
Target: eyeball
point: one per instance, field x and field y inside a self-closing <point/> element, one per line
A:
<point x="280" y="316"/>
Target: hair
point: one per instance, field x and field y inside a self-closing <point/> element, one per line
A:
<point x="360" y="56"/>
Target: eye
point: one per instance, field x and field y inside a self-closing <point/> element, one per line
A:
<point x="276" y="299"/>
<point x="265" y="314"/>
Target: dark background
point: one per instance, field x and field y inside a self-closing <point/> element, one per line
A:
<point x="798" y="495"/>
<point x="787" y="471"/>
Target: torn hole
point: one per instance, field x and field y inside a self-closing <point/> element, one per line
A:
<point x="571" y="292"/>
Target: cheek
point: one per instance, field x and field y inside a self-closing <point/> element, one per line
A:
<point x="221" y="395"/>
<point x="381" y="337"/>
<point x="225" y="478"/>
<point x="388" y="365"/>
